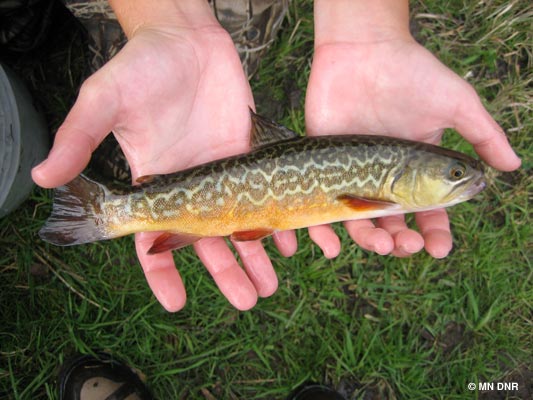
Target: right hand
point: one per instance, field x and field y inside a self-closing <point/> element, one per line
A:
<point x="369" y="76"/>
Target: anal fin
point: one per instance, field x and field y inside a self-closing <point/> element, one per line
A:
<point x="256" y="234"/>
<point x="171" y="241"/>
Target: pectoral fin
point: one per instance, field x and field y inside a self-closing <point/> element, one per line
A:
<point x="257" y="234"/>
<point x="171" y="241"/>
<point x="362" y="204"/>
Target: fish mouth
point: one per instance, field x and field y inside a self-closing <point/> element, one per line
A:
<point x="473" y="187"/>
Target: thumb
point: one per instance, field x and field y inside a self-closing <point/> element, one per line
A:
<point x="89" y="121"/>
<point x="477" y="126"/>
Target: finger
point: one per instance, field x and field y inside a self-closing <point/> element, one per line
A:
<point x="258" y="267"/>
<point x="161" y="273"/>
<point x="89" y="121"/>
<point x="477" y="126"/>
<point x="326" y="238"/>
<point x="365" y="234"/>
<point x="435" y="227"/>
<point x="227" y="273"/>
<point x="286" y="242"/>
<point x="406" y="241"/>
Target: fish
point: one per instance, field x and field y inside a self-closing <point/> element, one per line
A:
<point x="286" y="181"/>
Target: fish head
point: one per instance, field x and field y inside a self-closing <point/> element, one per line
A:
<point x="436" y="178"/>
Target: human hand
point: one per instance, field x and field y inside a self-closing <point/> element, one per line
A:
<point x="383" y="82"/>
<point x="174" y="96"/>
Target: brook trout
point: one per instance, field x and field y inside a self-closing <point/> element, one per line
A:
<point x="285" y="182"/>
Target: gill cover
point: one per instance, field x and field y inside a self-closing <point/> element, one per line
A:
<point x="434" y="179"/>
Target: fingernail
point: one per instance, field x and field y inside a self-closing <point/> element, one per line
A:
<point x="40" y="166"/>
<point x="381" y="250"/>
<point x="331" y="251"/>
<point x="404" y="249"/>
<point x="381" y="247"/>
<point x="441" y="254"/>
<point x="408" y="249"/>
<point x="518" y="160"/>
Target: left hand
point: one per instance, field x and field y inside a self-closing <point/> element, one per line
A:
<point x="397" y="88"/>
<point x="174" y="97"/>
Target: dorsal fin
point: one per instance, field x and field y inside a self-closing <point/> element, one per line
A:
<point x="265" y="131"/>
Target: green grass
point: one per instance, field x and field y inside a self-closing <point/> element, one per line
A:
<point x="377" y="327"/>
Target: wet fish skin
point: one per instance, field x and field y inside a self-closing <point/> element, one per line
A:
<point x="290" y="184"/>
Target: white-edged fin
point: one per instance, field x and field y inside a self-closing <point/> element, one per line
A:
<point x="245" y="236"/>
<point x="171" y="241"/>
<point x="361" y="204"/>
<point x="265" y="132"/>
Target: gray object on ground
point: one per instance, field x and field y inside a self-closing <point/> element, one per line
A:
<point x="23" y="141"/>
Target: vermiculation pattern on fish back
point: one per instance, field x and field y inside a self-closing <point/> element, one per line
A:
<point x="263" y="186"/>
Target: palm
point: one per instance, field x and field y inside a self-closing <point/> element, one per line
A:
<point x="400" y="90"/>
<point x="179" y="101"/>
<point x="397" y="88"/>
<point x="173" y="100"/>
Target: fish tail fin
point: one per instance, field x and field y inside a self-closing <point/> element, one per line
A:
<point x="77" y="215"/>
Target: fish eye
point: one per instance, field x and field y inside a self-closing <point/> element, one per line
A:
<point x="457" y="171"/>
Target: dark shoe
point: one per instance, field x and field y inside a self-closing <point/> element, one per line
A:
<point x="103" y="378"/>
<point x="314" y="391"/>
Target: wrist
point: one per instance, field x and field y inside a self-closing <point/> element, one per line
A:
<point x="360" y="21"/>
<point x="134" y="15"/>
